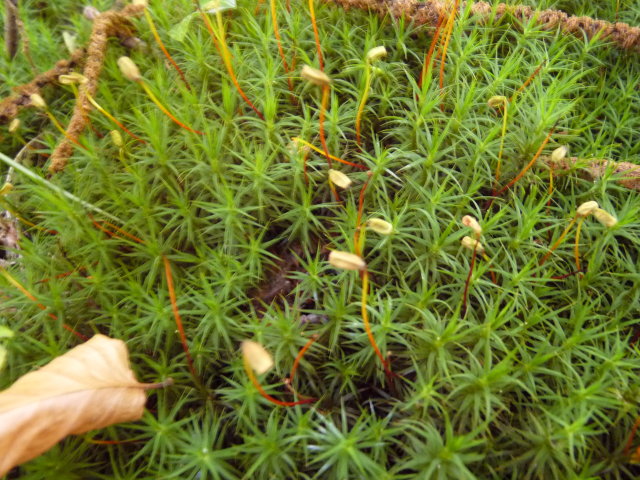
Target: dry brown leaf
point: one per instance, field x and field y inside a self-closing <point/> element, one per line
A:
<point x="89" y="387"/>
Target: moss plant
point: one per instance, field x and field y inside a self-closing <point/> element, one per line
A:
<point x="186" y="245"/>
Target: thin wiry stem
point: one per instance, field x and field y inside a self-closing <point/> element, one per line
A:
<point x="155" y="100"/>
<point x="426" y="67"/>
<point x="365" y="95"/>
<point x="31" y="297"/>
<point x="529" y="165"/>
<point x="333" y="157"/>
<point x="219" y="37"/>
<point x="445" y="47"/>
<point x="156" y="36"/>
<point x="357" y="238"/>
<point x="301" y="353"/>
<point x="276" y="32"/>
<point x="576" y="247"/>
<point x="98" y="107"/>
<point x="256" y="383"/>
<point x="557" y="243"/>
<point x="178" y="318"/>
<point x="367" y="325"/>
<point x="467" y="282"/>
<point x="60" y="128"/>
<point x="316" y="36"/>
<point x="505" y="115"/>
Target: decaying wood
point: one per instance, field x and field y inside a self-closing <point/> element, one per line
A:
<point x="277" y="283"/>
<point x="11" y="106"/>
<point x="11" y="37"/>
<point x="106" y="24"/>
<point x="427" y="13"/>
<point x="625" y="173"/>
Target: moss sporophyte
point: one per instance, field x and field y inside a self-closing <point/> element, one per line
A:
<point x="355" y="201"/>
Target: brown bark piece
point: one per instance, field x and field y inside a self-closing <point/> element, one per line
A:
<point x="428" y="12"/>
<point x="625" y="173"/>
<point x="106" y="24"/>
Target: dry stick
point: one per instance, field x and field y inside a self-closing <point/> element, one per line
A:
<point x="276" y="32"/>
<point x="31" y="297"/>
<point x="427" y="13"/>
<point x="154" y="31"/>
<point x="11" y="38"/>
<point x="223" y="48"/>
<point x="178" y="318"/>
<point x="625" y="173"/>
<point x="11" y="106"/>
<point x="316" y="36"/>
<point x="106" y="24"/>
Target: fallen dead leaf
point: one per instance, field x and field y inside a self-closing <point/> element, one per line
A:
<point x="89" y="387"/>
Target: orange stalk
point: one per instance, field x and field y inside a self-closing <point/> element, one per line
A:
<point x="98" y="225"/>
<point x="301" y="353"/>
<point x="112" y="118"/>
<point x="323" y="140"/>
<point x="178" y="318"/>
<point x="223" y="48"/>
<point x="558" y="241"/>
<point x="529" y="165"/>
<point x="262" y="392"/>
<point x="276" y="31"/>
<point x="356" y="235"/>
<point x="156" y="36"/>
<point x="367" y="325"/>
<point x="31" y="297"/>
<point x="337" y="159"/>
<point x="429" y="56"/>
<point x="316" y="36"/>
<point x="528" y="81"/>
<point x="448" y="32"/>
<point x="468" y="281"/>
<point x="632" y="434"/>
<point x="164" y="110"/>
<point x="576" y="248"/>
